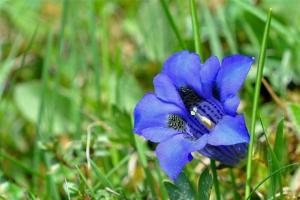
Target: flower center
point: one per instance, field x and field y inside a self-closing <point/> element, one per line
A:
<point x="204" y="114"/>
<point x="208" y="112"/>
<point x="207" y="122"/>
<point x="176" y="123"/>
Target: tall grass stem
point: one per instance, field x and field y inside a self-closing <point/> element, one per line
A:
<point x="172" y="23"/>
<point x="259" y="75"/>
<point x="196" y="29"/>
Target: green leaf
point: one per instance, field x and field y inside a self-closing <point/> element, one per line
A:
<point x="173" y="191"/>
<point x="129" y="92"/>
<point x="120" y="121"/>
<point x="184" y="185"/>
<point x="280" y="144"/>
<point x="27" y="98"/>
<point x="182" y="190"/>
<point x="205" y="185"/>
<point x="294" y="113"/>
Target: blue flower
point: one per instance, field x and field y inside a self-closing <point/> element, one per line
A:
<point x="194" y="109"/>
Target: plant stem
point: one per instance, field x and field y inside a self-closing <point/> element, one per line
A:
<point x="259" y="74"/>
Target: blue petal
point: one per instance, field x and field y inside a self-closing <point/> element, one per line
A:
<point x="175" y="153"/>
<point x="183" y="68"/>
<point x="229" y="131"/>
<point x="208" y="73"/>
<point x="166" y="91"/>
<point x="232" y="74"/>
<point x="240" y="150"/>
<point x="224" y="154"/>
<point x="231" y="104"/>
<point x="158" y="134"/>
<point x="151" y="112"/>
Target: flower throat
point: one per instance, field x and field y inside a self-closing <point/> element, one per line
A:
<point x="207" y="111"/>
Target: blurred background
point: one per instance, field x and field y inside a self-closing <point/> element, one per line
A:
<point x="72" y="71"/>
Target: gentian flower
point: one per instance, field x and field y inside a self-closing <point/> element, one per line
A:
<point x="194" y="109"/>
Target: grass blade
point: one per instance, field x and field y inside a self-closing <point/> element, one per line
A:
<point x="50" y="182"/>
<point x="212" y="30"/>
<point x="294" y="114"/>
<point x="45" y="76"/>
<point x="280" y="28"/>
<point x="101" y="176"/>
<point x="118" y="166"/>
<point x="163" y="189"/>
<point x="19" y="164"/>
<point x="37" y="153"/>
<point x="142" y="155"/>
<point x="267" y="178"/>
<point x="229" y="34"/>
<point x="172" y="23"/>
<point x="196" y="29"/>
<point x="95" y="50"/>
<point x="273" y="163"/>
<point x="279" y="142"/>
<point x="82" y="177"/>
<point x="259" y="75"/>
<point x="250" y="34"/>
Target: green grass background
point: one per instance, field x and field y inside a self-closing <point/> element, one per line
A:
<point x="72" y="71"/>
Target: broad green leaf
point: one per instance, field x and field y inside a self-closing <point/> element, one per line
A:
<point x="128" y="93"/>
<point x="182" y="190"/>
<point x="205" y="185"/>
<point x="173" y="191"/>
<point x="294" y="113"/>
<point x="184" y="185"/>
<point x="120" y="121"/>
<point x="27" y="98"/>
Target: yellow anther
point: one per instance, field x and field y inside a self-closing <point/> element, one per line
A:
<point x="206" y="122"/>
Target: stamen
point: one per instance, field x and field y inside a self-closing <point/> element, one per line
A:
<point x="176" y="122"/>
<point x="206" y="121"/>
